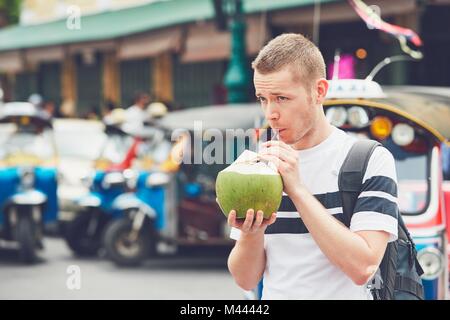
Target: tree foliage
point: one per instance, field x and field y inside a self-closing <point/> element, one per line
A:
<point x="9" y="11"/>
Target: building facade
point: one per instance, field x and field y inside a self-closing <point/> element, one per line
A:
<point x="174" y="50"/>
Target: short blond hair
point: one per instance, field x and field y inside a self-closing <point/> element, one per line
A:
<point x="296" y="51"/>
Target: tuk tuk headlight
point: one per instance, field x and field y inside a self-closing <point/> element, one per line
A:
<point x="113" y="179"/>
<point x="131" y="176"/>
<point x="432" y="262"/>
<point x="403" y="134"/>
<point x="337" y="116"/>
<point x="157" y="179"/>
<point x="358" y="117"/>
<point x="381" y="127"/>
<point x="27" y="178"/>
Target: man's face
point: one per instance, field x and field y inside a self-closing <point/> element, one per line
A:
<point x="287" y="104"/>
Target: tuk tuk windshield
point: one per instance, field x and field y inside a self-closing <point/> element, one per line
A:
<point x="412" y="175"/>
<point x="116" y="147"/>
<point x="17" y="143"/>
<point x="153" y="151"/>
<point x="83" y="142"/>
<point x="412" y="178"/>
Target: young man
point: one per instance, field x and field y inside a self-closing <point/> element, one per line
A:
<point x="308" y="253"/>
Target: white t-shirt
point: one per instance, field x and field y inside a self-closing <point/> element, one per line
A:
<point x="296" y="268"/>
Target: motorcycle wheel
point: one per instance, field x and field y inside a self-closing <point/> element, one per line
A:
<point x="77" y="238"/>
<point x="123" y="251"/>
<point x="26" y="235"/>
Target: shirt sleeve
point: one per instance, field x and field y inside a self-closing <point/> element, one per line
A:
<point x="377" y="205"/>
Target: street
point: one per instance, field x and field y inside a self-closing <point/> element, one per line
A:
<point x="162" y="278"/>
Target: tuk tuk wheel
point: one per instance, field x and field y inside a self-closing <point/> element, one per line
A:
<point x="120" y="246"/>
<point x="77" y="234"/>
<point x="27" y="237"/>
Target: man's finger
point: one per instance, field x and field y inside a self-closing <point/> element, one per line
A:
<point x="248" y="220"/>
<point x="279" y="143"/>
<point x="267" y="157"/>
<point x="280" y="153"/>
<point x="271" y="220"/>
<point x="232" y="218"/>
<point x="258" y="220"/>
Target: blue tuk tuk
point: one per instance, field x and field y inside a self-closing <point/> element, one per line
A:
<point x="108" y="180"/>
<point x="28" y="178"/>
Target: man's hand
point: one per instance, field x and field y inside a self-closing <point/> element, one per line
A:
<point x="251" y="224"/>
<point x="247" y="260"/>
<point x="285" y="158"/>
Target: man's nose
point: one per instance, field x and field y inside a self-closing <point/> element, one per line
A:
<point x="271" y="113"/>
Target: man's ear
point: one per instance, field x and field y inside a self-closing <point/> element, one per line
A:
<point x="321" y="90"/>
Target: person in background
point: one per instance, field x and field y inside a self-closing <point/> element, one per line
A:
<point x="136" y="115"/>
<point x="49" y="107"/>
<point x="35" y="99"/>
<point x="156" y="110"/>
<point x="108" y="108"/>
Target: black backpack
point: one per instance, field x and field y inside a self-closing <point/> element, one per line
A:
<point x="398" y="276"/>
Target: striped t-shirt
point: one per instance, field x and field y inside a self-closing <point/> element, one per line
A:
<point x="296" y="268"/>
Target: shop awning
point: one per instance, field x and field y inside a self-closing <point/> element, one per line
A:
<point x="125" y="22"/>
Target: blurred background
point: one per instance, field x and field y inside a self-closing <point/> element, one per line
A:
<point x="81" y="55"/>
<point x="94" y="65"/>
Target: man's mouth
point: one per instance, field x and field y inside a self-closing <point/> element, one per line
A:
<point x="279" y="133"/>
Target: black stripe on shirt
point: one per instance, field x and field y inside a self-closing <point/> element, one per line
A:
<point x="380" y="183"/>
<point x="333" y="199"/>
<point x="293" y="225"/>
<point x="377" y="204"/>
<point x="328" y="200"/>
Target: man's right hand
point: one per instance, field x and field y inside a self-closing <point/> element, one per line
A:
<point x="251" y="224"/>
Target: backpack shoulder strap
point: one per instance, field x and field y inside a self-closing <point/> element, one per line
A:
<point x="352" y="173"/>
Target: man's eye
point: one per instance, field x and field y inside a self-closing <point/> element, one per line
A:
<point x="261" y="99"/>
<point x="281" y="98"/>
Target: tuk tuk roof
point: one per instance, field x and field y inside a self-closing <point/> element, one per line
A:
<point x="12" y="110"/>
<point x="146" y="131"/>
<point x="427" y="106"/>
<point x="222" y="117"/>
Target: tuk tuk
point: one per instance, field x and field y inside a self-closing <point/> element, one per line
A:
<point x="175" y="201"/>
<point x="200" y="218"/>
<point x="76" y="160"/>
<point x="413" y="123"/>
<point x="107" y="181"/>
<point x="28" y="178"/>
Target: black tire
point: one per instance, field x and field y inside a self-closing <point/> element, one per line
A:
<point x="120" y="250"/>
<point x="27" y="237"/>
<point x="77" y="238"/>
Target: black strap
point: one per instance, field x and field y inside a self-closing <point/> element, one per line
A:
<point x="406" y="284"/>
<point x="352" y="173"/>
<point x="404" y="234"/>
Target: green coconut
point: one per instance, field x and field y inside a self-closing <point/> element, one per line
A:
<point x="248" y="184"/>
